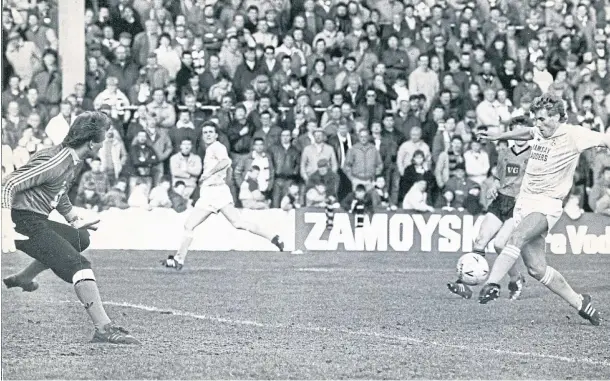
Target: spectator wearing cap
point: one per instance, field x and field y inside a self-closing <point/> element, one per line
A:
<point x="286" y="163"/>
<point x="48" y="81"/>
<point x="324" y="175"/>
<point x="315" y="151"/>
<point x="144" y="43"/>
<point x="363" y="161"/>
<point x="123" y="69"/>
<point x="59" y="125"/>
<point x="185" y="166"/>
<point x="424" y="81"/>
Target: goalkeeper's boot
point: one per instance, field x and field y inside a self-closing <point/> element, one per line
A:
<point x="489" y="292"/>
<point x="277" y="241"/>
<point x="172" y="263"/>
<point x="516" y="288"/>
<point x="588" y="312"/>
<point x="114" y="335"/>
<point x="12" y="281"/>
<point x="460" y="289"/>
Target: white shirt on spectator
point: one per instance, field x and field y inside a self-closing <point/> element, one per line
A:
<point x="487" y="114"/>
<point x="544" y="79"/>
<point x="477" y="165"/>
<point x="58" y="128"/>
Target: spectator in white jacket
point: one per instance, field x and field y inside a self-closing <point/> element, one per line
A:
<point x="415" y="199"/>
<point x="477" y="162"/>
<point x="59" y="125"/>
<point x="186" y="166"/>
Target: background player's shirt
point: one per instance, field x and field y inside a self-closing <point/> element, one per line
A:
<point x="552" y="163"/>
<point x="214" y="154"/>
<point x="511" y="168"/>
<point x="42" y="184"/>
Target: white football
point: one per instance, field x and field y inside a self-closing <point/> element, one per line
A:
<point x="472" y="269"/>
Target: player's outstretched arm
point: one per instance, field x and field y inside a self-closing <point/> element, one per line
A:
<point x="516" y="134"/>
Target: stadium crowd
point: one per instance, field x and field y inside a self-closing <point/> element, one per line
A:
<point x="319" y="102"/>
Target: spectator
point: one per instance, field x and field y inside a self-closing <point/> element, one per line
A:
<point x="13" y="125"/>
<point x="416" y="198"/>
<point x="24" y="56"/>
<point x="186" y="167"/>
<point x="313" y="153"/>
<point x="159" y="195"/>
<point x="176" y="195"/>
<point x="415" y="172"/>
<point x="292" y="195"/>
<point x="123" y="69"/>
<point x="317" y="195"/>
<point x="269" y="133"/>
<point x="603" y="204"/>
<point x="325" y="175"/>
<point x="263" y="162"/>
<point x="160" y="142"/>
<point x="472" y="203"/>
<point x="113" y="97"/>
<point x="460" y="186"/>
<point x="250" y="194"/>
<point x="95" y="176"/>
<point x="113" y="156"/>
<point x="143" y="158"/>
<point x="408" y="148"/>
<point x="7" y="156"/>
<point x="116" y="196"/>
<point x="358" y="202"/>
<point x="449" y="161"/>
<point x="380" y="195"/>
<point x="59" y="125"/>
<point x="163" y="112"/>
<point x="476" y="162"/>
<point x="424" y="81"/>
<point x="12" y="93"/>
<point x="286" y="160"/>
<point x="27" y="146"/>
<point x="363" y="162"/>
<point x="89" y="198"/>
<point x="48" y="81"/>
<point x="139" y="195"/>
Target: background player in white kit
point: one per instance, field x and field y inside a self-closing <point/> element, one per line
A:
<point x="214" y="197"/>
<point x="498" y="222"/>
<point x="548" y="179"/>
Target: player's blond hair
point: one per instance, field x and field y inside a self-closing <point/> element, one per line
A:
<point x="552" y="104"/>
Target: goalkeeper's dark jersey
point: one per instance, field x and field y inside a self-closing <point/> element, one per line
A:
<point x="511" y="169"/>
<point x="42" y="184"/>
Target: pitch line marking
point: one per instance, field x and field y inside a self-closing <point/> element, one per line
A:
<point x="378" y="335"/>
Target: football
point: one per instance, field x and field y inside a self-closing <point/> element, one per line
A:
<point x="472" y="269"/>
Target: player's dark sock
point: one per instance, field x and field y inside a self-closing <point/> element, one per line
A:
<point x="277" y="241"/>
<point x="479" y="251"/>
<point x="88" y="293"/>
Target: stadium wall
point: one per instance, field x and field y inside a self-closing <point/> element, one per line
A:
<point x="305" y="230"/>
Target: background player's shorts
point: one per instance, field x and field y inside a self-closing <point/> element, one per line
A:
<point x="56" y="245"/>
<point x="502" y="207"/>
<point x="214" y="197"/>
<point x="527" y="204"/>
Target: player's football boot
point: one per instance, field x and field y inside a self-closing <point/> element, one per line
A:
<point x="114" y="335"/>
<point x="460" y="289"/>
<point x="516" y="288"/>
<point x="489" y="292"/>
<point x="588" y="312"/>
<point x="170" y="262"/>
<point x="12" y="281"/>
<point x="277" y="241"/>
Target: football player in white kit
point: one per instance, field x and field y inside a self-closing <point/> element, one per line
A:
<point x="547" y="182"/>
<point x="214" y="197"/>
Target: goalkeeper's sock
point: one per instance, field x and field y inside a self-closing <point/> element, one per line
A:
<point x="555" y="282"/>
<point x="505" y="261"/>
<point x="30" y="272"/>
<point x="88" y="293"/>
<point x="187" y="239"/>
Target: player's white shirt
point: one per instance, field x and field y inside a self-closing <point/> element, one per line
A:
<point x="214" y="154"/>
<point x="551" y="166"/>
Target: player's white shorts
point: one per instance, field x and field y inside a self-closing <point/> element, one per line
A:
<point x="527" y="204"/>
<point x="214" y="197"/>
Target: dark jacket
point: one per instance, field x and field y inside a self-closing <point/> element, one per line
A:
<point x="287" y="162"/>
